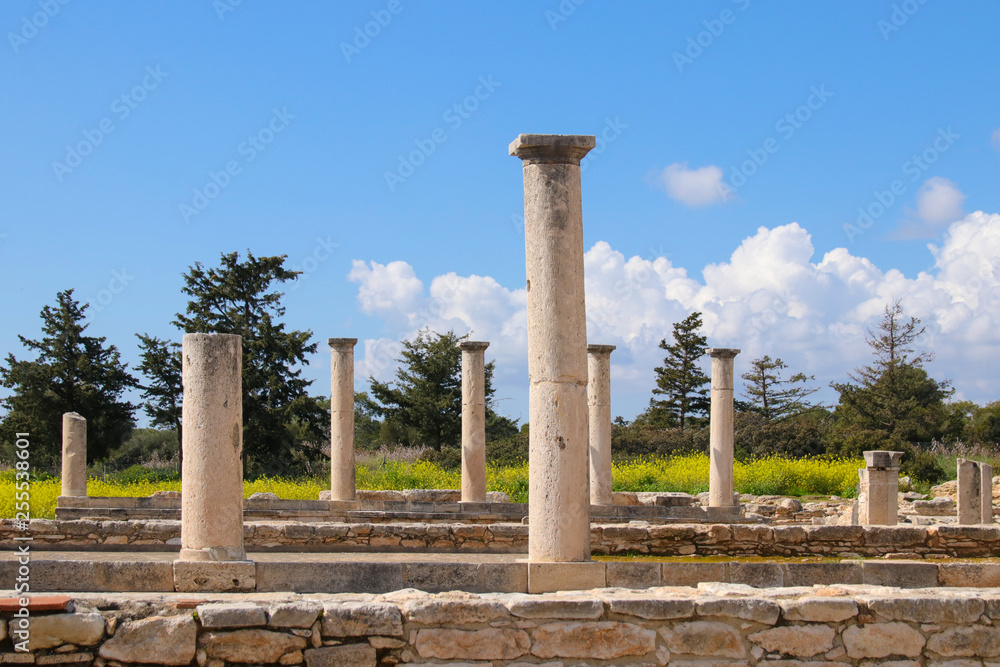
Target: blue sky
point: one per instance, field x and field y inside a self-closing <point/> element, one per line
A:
<point x="835" y="105"/>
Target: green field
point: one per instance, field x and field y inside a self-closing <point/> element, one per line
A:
<point x="769" y="476"/>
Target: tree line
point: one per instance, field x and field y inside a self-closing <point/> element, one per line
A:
<point x="890" y="403"/>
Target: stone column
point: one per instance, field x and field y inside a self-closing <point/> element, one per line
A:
<point x="878" y="493"/>
<point x="559" y="508"/>
<point x="720" y="476"/>
<point x="74" y="455"/>
<point x="473" y="421"/>
<point x="212" y="472"/>
<point x="599" y="405"/>
<point x="986" y="486"/>
<point x="970" y="493"/>
<point x="342" y="481"/>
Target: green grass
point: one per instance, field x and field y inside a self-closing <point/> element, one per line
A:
<point x="769" y="476"/>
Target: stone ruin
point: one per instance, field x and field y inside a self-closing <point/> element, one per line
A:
<point x="341" y="572"/>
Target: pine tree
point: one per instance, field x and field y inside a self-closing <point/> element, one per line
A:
<point x="773" y="397"/>
<point x="681" y="379"/>
<point x="283" y="427"/>
<point x="72" y="373"/>
<point x="424" y="406"/>
<point x="161" y="363"/>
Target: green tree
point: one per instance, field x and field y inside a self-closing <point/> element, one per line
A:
<point x="282" y="425"/>
<point x="71" y="373"/>
<point x="892" y="402"/>
<point x="161" y="363"/>
<point x="681" y="379"/>
<point x="424" y="405"/>
<point x="770" y="395"/>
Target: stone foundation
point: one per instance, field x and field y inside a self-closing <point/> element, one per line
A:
<point x="606" y="539"/>
<point x="712" y="625"/>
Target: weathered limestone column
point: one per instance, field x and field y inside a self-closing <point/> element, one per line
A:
<point x="558" y="484"/>
<point x="473" y="421"/>
<point x="599" y="404"/>
<point x="720" y="476"/>
<point x="212" y="474"/>
<point x="986" y="484"/>
<point x="878" y="494"/>
<point x="970" y="492"/>
<point x="74" y="455"/>
<point x="342" y="481"/>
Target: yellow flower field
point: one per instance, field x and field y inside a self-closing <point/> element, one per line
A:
<point x="770" y="476"/>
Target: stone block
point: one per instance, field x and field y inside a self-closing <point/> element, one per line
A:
<point x="85" y="629"/>
<point x="556" y="607"/>
<point x="604" y="640"/>
<point x="231" y="615"/>
<point x="159" y="640"/>
<point x="360" y="619"/>
<point x="348" y="655"/>
<point x="436" y="577"/>
<point x="797" y="640"/>
<point x="758" y="575"/>
<point x="882" y="459"/>
<point x="900" y="574"/>
<point x="758" y="610"/>
<point x="486" y="644"/>
<point x="633" y="575"/>
<point x="548" y="577"/>
<point x="928" y="609"/>
<point x="704" y="638"/>
<point x="296" y="614"/>
<point x="969" y="574"/>
<point x="334" y="577"/>
<point x="692" y="574"/>
<point x="973" y="641"/>
<point x="881" y="640"/>
<point x="819" y="609"/>
<point x="255" y="646"/>
<point x="652" y="608"/>
<point x="504" y="577"/>
<point x="809" y="574"/>
<point x="214" y="576"/>
<point x="462" y="611"/>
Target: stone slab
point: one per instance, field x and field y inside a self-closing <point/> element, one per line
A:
<point x="549" y="577"/>
<point x="900" y="574"/>
<point x="214" y="576"/>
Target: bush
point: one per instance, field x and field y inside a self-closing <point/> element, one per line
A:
<point x="449" y="458"/>
<point x="638" y="440"/>
<point x="508" y="451"/>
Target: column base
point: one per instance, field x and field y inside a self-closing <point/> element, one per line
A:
<point x="215" y="576"/>
<point x="213" y="554"/>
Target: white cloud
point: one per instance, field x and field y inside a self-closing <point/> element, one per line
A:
<point x="770" y="297"/>
<point x="939" y="201"/>
<point x="694" y="187"/>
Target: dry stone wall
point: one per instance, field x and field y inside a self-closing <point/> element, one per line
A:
<point x="607" y="539"/>
<point x="830" y="626"/>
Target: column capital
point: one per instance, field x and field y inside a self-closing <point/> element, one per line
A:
<point x="473" y="345"/>
<point x="722" y="352"/>
<point x="341" y="343"/>
<point x="552" y="148"/>
<point x="601" y="349"/>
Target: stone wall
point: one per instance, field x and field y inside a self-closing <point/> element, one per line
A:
<point x="610" y="539"/>
<point x="712" y="625"/>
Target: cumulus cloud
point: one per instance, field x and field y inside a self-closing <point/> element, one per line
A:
<point x="939" y="201"/>
<point x="694" y="187"/>
<point x="773" y="296"/>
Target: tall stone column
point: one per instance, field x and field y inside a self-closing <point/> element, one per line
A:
<point x="720" y="477"/>
<point x="558" y="477"/>
<point x="970" y="492"/>
<point x="599" y="404"/>
<point x="212" y="472"/>
<point x="342" y="481"/>
<point x="74" y="455"/>
<point x="878" y="493"/>
<point x="473" y="421"/>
